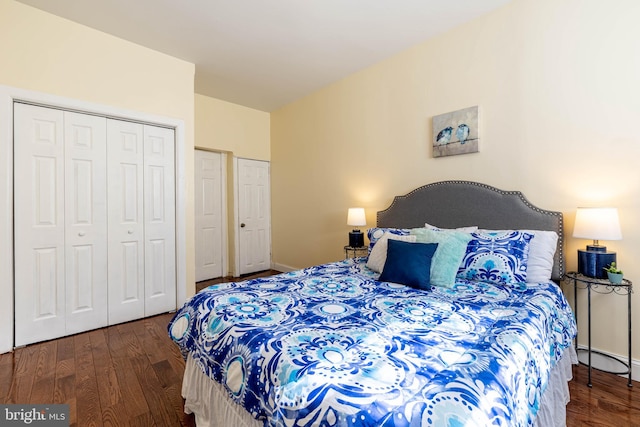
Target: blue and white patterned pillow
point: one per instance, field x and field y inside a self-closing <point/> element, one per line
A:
<point x="375" y="233"/>
<point x="497" y="257"/>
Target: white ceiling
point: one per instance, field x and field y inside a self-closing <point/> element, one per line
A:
<point x="266" y="53"/>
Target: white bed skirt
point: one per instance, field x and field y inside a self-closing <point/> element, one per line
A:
<point x="212" y="406"/>
<point x="209" y="401"/>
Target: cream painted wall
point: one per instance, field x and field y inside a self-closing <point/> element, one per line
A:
<point x="48" y="54"/>
<point x="223" y="126"/>
<point x="557" y="83"/>
<point x="239" y="131"/>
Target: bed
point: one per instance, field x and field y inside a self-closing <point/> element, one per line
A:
<point x="484" y="339"/>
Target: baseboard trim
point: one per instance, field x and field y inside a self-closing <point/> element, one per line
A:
<point x="283" y="268"/>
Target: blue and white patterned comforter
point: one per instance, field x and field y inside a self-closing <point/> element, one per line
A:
<point x="331" y="346"/>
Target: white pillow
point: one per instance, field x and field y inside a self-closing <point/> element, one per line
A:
<point x="469" y="229"/>
<point x="378" y="255"/>
<point x="542" y="249"/>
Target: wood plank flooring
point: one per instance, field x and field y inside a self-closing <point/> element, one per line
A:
<point x="131" y="375"/>
<point x="124" y="375"/>
<point x="610" y="402"/>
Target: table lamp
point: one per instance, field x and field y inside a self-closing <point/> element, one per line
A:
<point x="597" y="224"/>
<point x="356" y="218"/>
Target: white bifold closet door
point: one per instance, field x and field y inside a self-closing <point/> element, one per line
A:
<point x="60" y="223"/>
<point x="142" y="276"/>
<point x="94" y="222"/>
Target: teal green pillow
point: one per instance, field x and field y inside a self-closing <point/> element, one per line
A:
<point x="452" y="246"/>
<point x="408" y="263"/>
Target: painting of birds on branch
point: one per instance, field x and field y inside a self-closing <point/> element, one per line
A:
<point x="456" y="132"/>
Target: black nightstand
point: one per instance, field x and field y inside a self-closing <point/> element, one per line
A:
<point x="601" y="286"/>
<point x="355" y="252"/>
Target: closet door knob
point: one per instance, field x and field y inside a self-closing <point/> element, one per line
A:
<point x="242" y="225"/>
<point x="81" y="233"/>
<point x="130" y="231"/>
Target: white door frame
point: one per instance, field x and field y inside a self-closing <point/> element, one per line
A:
<point x="8" y="95"/>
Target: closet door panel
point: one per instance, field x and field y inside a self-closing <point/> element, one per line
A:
<point x="125" y="151"/>
<point x="85" y="221"/>
<point x="38" y="224"/>
<point x="159" y="211"/>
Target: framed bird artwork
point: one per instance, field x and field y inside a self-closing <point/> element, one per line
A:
<point x="456" y="132"/>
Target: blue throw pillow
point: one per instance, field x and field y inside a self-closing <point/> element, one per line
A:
<point x="497" y="257"/>
<point x="408" y="263"/>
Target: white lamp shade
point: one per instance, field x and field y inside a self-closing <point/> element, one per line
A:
<point x="597" y="224"/>
<point x="356" y="217"/>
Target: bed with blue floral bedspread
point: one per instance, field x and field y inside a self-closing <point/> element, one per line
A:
<point x="331" y="345"/>
<point x="455" y="327"/>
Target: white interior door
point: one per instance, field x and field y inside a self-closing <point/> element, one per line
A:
<point x="125" y="168"/>
<point x="209" y="204"/>
<point x="39" y="224"/>
<point x="85" y="221"/>
<point x="159" y="220"/>
<point x="254" y="216"/>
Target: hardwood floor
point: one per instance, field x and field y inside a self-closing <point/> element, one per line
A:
<point x="610" y="402"/>
<point x="131" y="374"/>
<point x="124" y="375"/>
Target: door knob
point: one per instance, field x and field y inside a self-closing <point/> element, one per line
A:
<point x="81" y="233"/>
<point x="130" y="231"/>
<point x="242" y="225"/>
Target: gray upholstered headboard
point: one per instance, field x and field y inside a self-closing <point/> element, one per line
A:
<point x="451" y="204"/>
